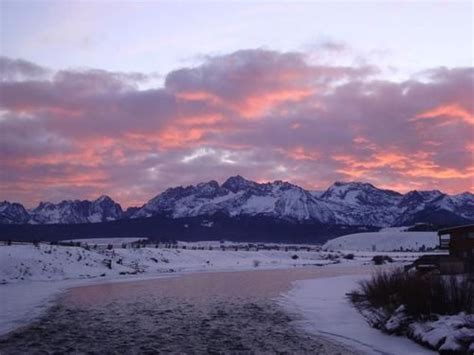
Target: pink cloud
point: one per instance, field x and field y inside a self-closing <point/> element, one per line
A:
<point x="265" y="114"/>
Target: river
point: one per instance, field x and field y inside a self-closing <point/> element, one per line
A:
<point x="211" y="312"/>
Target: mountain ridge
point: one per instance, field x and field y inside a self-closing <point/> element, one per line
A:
<point x="343" y="203"/>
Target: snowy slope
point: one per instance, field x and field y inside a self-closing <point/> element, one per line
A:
<point x="20" y="263"/>
<point x="363" y="204"/>
<point x="47" y="262"/>
<point x="388" y="240"/>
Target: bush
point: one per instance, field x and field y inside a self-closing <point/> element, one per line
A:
<point x="295" y="257"/>
<point x="381" y="259"/>
<point x="349" y="256"/>
<point x="421" y="294"/>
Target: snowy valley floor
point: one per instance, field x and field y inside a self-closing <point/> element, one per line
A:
<point x="33" y="278"/>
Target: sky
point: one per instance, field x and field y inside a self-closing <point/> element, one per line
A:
<point x="128" y="98"/>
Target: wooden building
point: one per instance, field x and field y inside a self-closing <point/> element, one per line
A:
<point x="460" y="243"/>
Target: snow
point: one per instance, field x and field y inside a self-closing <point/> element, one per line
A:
<point x="95" y="218"/>
<point x="325" y="311"/>
<point x="31" y="277"/>
<point x="23" y="302"/>
<point x="447" y="333"/>
<point x="226" y="197"/>
<point x="46" y="262"/>
<point x="259" y="204"/>
<point x="386" y="240"/>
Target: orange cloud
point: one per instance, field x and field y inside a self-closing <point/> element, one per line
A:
<point x="437" y="172"/>
<point x="175" y="137"/>
<point x="447" y="113"/>
<point x="377" y="160"/>
<point x="251" y="106"/>
<point x="300" y="153"/>
<point x="70" y="177"/>
<point x="209" y="119"/>
<point x="255" y="106"/>
<point x="199" y="96"/>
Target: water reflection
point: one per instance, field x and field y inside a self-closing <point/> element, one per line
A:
<point x="200" y="287"/>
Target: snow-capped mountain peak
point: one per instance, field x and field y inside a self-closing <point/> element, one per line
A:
<point x="238" y="183"/>
<point x="76" y="211"/>
<point x="13" y="213"/>
<point x="343" y="203"/>
<point x="358" y="193"/>
<point x="238" y="196"/>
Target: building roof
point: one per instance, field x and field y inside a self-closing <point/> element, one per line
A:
<point x="465" y="228"/>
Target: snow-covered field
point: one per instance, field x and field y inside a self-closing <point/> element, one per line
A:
<point x="52" y="262"/>
<point x="385" y="240"/>
<point x="32" y="276"/>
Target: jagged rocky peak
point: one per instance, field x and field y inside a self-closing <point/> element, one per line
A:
<point x="344" y="203"/>
<point x="204" y="189"/>
<point x="43" y="205"/>
<point x="465" y="196"/>
<point x="12" y="213"/>
<point x="284" y="185"/>
<point x="104" y="199"/>
<point x="208" y="189"/>
<point x="77" y="211"/>
<point x="416" y="196"/>
<point x="360" y="193"/>
<point x="105" y="209"/>
<point x="107" y="202"/>
<point x="238" y="183"/>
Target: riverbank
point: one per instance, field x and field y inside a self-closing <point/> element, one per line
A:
<point x="33" y="276"/>
<point x="324" y="310"/>
<point x="36" y="279"/>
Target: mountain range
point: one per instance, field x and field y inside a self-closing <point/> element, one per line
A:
<point x="352" y="204"/>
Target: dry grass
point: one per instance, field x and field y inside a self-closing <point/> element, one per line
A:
<point x="421" y="294"/>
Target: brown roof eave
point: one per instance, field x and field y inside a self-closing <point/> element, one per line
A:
<point x="467" y="228"/>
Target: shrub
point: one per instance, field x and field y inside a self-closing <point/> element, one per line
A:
<point x="381" y="259"/>
<point x="294" y="257"/>
<point x="349" y="256"/>
<point x="420" y="294"/>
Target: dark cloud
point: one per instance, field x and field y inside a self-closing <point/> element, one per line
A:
<point x="18" y="69"/>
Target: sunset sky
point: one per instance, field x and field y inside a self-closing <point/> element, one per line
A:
<point x="128" y="98"/>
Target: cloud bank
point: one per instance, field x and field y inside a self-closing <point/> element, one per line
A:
<point x="264" y="114"/>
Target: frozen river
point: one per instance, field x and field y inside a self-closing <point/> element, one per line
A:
<point x="211" y="312"/>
